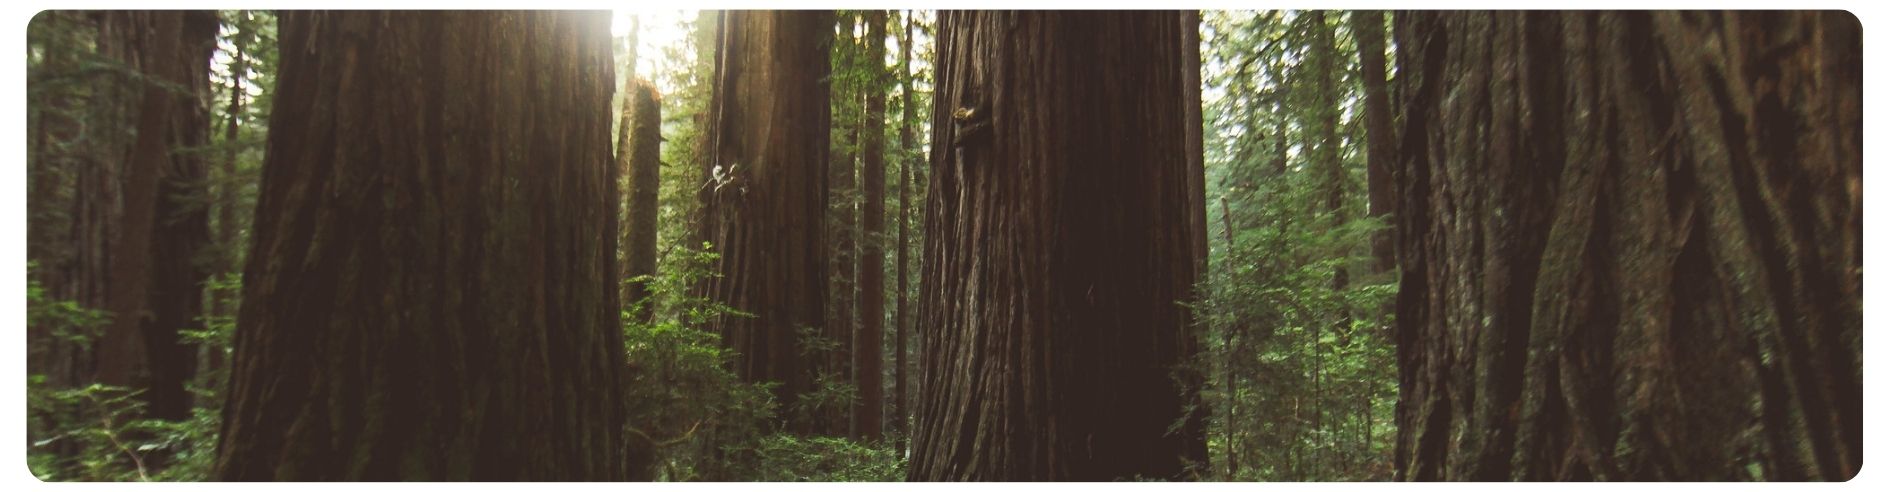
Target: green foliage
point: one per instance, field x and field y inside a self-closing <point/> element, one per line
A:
<point x="94" y="433"/>
<point x="685" y="77"/>
<point x="681" y="394"/>
<point x="66" y="320"/>
<point x="1299" y="368"/>
<point x="83" y="431"/>
<point x="706" y="424"/>
<point x="788" y="458"/>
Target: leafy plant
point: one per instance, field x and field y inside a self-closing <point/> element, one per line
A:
<point x="789" y="458"/>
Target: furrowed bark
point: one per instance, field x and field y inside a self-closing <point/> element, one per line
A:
<point x="427" y="296"/>
<point x="1059" y="251"/>
<point x="764" y="210"/>
<point x="1609" y="267"/>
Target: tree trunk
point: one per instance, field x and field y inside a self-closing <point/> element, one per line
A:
<point x="53" y="194"/>
<point x="1324" y="56"/>
<point x="1369" y="30"/>
<point x="1193" y="379"/>
<point x="228" y="201"/>
<point x="769" y="145"/>
<point x="638" y="157"/>
<point x="908" y="150"/>
<point x="1625" y="230"/>
<point x="156" y="287"/>
<point x="1062" y="250"/>
<point x="427" y="296"/>
<point x="182" y="228"/>
<point x="842" y="196"/>
<point x="1192" y="135"/>
<point x="158" y="37"/>
<point x="867" y="353"/>
<point x="1232" y="342"/>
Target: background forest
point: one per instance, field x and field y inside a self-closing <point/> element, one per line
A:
<point x="1370" y="246"/>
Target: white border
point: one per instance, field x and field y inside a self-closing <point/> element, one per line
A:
<point x="13" y="469"/>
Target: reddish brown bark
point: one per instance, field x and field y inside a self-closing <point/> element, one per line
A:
<point x="427" y="296"/>
<point x="156" y="283"/>
<point x="121" y="349"/>
<point x="1192" y="135"/>
<point x="182" y="229"/>
<point x="1624" y="260"/>
<point x="867" y="340"/>
<point x="764" y="207"/>
<point x="1059" y="253"/>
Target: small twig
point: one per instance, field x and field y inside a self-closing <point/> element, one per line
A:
<point x="680" y="439"/>
<point x="135" y="459"/>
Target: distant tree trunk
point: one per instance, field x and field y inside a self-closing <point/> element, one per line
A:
<point x="52" y="222"/>
<point x="1050" y="302"/>
<point x="867" y="353"/>
<point x="97" y="205"/>
<point x="51" y="195"/>
<point x="157" y="37"/>
<point x="156" y="285"/>
<point x="426" y="296"/>
<point x="638" y="157"/>
<point x="1232" y="342"/>
<point x="182" y="228"/>
<point x="842" y="196"/>
<point x="228" y="200"/>
<point x="1333" y="181"/>
<point x="907" y="154"/>
<point x="1369" y="30"/>
<point x="637" y="140"/>
<point x="1621" y="231"/>
<point x="769" y="121"/>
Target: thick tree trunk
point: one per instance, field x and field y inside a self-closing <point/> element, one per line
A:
<point x="769" y="144"/>
<point x="638" y="157"/>
<point x="1632" y="245"/>
<point x="1369" y="30"/>
<point x="426" y="296"/>
<point x="1061" y="251"/>
<point x="1194" y="380"/>
<point x="867" y="340"/>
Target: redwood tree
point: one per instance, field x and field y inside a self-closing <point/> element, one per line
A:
<point x="181" y="227"/>
<point x="427" y="296"/>
<point x="1629" y="245"/>
<point x="847" y="109"/>
<point x="155" y="282"/>
<point x="867" y="353"/>
<point x="1369" y="31"/>
<point x="768" y="150"/>
<point x="1059" y="251"/>
<point x="638" y="158"/>
<point x="908" y="152"/>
